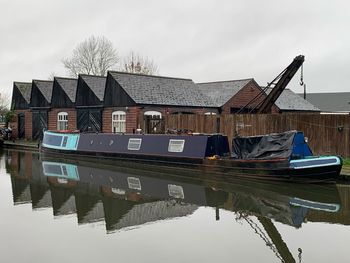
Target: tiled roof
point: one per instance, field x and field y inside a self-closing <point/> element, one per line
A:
<point x="336" y="101"/>
<point x="25" y="89"/>
<point x="156" y="90"/>
<point x="69" y="86"/>
<point x="97" y="84"/>
<point x="45" y="87"/>
<point x="292" y="101"/>
<point x="222" y="91"/>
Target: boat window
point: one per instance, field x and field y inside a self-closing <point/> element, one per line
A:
<point x="118" y="121"/>
<point x="62" y="121"/>
<point x="134" y="144"/>
<point x="65" y="139"/>
<point x="176" y="191"/>
<point x="134" y="183"/>
<point x="176" y="146"/>
<point x="111" y="142"/>
<point x="64" y="170"/>
<point x="91" y="142"/>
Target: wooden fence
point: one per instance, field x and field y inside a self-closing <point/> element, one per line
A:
<point x="327" y="134"/>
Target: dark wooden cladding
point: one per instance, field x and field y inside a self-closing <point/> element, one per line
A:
<point x="61" y="99"/>
<point x="85" y="96"/>
<point x="89" y="119"/>
<point x="115" y="95"/>
<point x="37" y="98"/>
<point x="327" y="134"/>
<point x="39" y="120"/>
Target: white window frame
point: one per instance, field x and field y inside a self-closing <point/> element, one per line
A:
<point x="175" y="146"/>
<point x="134" y="142"/>
<point x="118" y="122"/>
<point x="153" y="113"/>
<point x="62" y="121"/>
<point x="134" y="183"/>
<point x="176" y="191"/>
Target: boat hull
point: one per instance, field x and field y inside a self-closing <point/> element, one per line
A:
<point x="317" y="169"/>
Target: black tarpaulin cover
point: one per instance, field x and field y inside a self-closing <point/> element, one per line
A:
<point x="276" y="145"/>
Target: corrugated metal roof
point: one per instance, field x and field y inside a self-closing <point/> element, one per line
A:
<point x="69" y="86"/>
<point x="157" y="90"/>
<point x="97" y="84"/>
<point x="25" y="89"/>
<point x="222" y="91"/>
<point x="45" y="87"/>
<point x="293" y="102"/>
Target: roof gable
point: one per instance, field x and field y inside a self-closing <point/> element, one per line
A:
<point x="222" y="91"/>
<point x="41" y="93"/>
<point x="45" y="87"/>
<point x="21" y="95"/>
<point x="157" y="90"/>
<point x="25" y="89"/>
<point x="97" y="84"/>
<point x="69" y="86"/>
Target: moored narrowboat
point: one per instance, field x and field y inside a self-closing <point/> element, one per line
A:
<point x="280" y="156"/>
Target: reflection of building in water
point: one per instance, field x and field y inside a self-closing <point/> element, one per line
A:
<point x="20" y="191"/>
<point x="125" y="198"/>
<point x="89" y="208"/>
<point x="139" y="214"/>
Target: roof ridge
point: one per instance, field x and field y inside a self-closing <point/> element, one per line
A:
<point x="65" y="78"/>
<point x="210" y="82"/>
<point x="21" y="82"/>
<point x="41" y="80"/>
<point x="145" y="75"/>
<point x="87" y="75"/>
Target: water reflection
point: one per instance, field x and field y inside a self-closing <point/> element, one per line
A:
<point x="125" y="196"/>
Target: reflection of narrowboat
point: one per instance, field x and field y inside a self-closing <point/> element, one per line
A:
<point x="275" y="200"/>
<point x="285" y="156"/>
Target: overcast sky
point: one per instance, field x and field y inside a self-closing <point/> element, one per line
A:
<point x="198" y="39"/>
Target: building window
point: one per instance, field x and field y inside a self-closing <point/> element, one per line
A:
<point x="118" y="121"/>
<point x="176" y="146"/>
<point x="210" y="113"/>
<point x="62" y="121"/>
<point x="153" y="114"/>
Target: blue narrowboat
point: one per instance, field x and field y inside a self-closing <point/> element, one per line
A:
<point x="279" y="156"/>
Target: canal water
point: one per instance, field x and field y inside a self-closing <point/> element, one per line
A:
<point x="88" y="210"/>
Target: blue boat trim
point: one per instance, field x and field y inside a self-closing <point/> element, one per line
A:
<point x="61" y="141"/>
<point x="315" y="162"/>
<point x="61" y="170"/>
<point x="314" y="205"/>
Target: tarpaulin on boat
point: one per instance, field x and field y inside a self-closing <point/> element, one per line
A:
<point x="289" y="144"/>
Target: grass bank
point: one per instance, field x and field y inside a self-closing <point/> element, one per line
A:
<point x="346" y="162"/>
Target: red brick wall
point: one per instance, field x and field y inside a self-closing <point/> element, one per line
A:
<point x="244" y="96"/>
<point x="131" y="118"/>
<point x="27" y="125"/>
<point x="72" y="118"/>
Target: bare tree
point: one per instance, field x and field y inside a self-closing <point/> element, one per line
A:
<point x="135" y="63"/>
<point x="94" y="55"/>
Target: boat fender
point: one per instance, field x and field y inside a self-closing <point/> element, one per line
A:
<point x="214" y="157"/>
